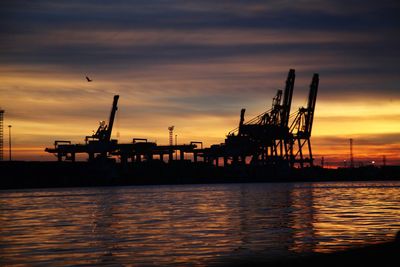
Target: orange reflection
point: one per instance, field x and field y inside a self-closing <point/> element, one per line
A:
<point x="201" y="224"/>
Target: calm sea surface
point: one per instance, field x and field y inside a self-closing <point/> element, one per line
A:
<point x="195" y="224"/>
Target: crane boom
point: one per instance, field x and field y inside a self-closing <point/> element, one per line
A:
<point x="287" y="98"/>
<point x="112" y="116"/>
<point x="312" y="98"/>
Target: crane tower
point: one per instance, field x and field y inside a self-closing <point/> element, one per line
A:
<point x="171" y="135"/>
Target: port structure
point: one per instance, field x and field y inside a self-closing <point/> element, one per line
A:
<point x="301" y="127"/>
<point x="100" y="147"/>
<point x="276" y="137"/>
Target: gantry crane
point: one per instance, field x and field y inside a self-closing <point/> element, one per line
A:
<point x="98" y="145"/>
<point x="265" y="137"/>
<point x="270" y="138"/>
<point x="301" y="127"/>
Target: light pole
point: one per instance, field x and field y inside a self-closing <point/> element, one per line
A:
<point x="176" y="143"/>
<point x="9" y="141"/>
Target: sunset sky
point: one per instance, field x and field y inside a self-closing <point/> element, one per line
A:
<point x="194" y="65"/>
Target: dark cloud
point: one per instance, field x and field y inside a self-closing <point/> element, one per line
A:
<point x="41" y="18"/>
<point x="365" y="53"/>
<point x="200" y="14"/>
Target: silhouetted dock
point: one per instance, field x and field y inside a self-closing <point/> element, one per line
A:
<point x="20" y="174"/>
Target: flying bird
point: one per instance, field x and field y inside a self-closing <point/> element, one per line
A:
<point x="88" y="79"/>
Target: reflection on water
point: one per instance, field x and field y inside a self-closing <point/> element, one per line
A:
<point x="200" y="224"/>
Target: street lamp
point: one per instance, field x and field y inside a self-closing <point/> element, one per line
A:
<point x="176" y="143"/>
<point x="9" y="141"/>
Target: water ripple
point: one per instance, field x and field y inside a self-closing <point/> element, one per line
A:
<point x="196" y="224"/>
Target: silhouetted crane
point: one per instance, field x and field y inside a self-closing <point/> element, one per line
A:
<point x="269" y="138"/>
<point x="99" y="145"/>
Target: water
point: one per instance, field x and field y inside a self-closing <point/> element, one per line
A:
<point x="196" y="224"/>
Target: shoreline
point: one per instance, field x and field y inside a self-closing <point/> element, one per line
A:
<point x="379" y="254"/>
<point x="46" y="174"/>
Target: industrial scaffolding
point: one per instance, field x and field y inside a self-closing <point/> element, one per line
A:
<point x="275" y="137"/>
